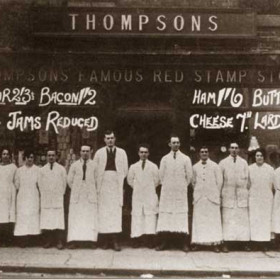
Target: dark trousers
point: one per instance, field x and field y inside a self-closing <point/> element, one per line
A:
<point x="108" y="238"/>
<point x="146" y="240"/>
<point x="177" y="239"/>
<point x="237" y="245"/>
<point x="6" y="234"/>
<point x="53" y="236"/>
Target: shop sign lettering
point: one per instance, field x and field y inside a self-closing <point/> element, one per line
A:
<point x="47" y="97"/>
<point x="232" y="98"/>
<point x="226" y="94"/>
<point x="131" y="22"/>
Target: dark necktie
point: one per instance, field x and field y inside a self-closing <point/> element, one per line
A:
<point x="51" y="165"/>
<point x="174" y="156"/>
<point x="234" y="159"/>
<point x="143" y="163"/>
<point x="84" y="169"/>
<point x="111" y="151"/>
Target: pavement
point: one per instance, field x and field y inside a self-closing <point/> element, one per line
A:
<point x="140" y="262"/>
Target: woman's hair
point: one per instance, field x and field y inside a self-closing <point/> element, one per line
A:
<point x="6" y="148"/>
<point x="260" y="150"/>
<point x="28" y="152"/>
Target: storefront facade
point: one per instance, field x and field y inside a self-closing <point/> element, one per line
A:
<point x="209" y="74"/>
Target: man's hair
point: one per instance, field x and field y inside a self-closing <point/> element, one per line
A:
<point x="144" y="145"/>
<point x="173" y="136"/>
<point x="88" y="146"/>
<point x="50" y="149"/>
<point x="28" y="152"/>
<point x="108" y="132"/>
<point x="203" y="147"/>
<point x="233" y="142"/>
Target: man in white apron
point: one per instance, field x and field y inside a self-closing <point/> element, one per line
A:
<point x="143" y="177"/>
<point x="175" y="175"/>
<point x="235" y="199"/>
<point x="82" y="222"/>
<point x="207" y="183"/>
<point x="52" y="186"/>
<point x="111" y="169"/>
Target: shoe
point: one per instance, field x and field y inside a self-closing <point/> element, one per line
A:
<point x="194" y="248"/>
<point x="161" y="247"/>
<point x="47" y="245"/>
<point x="105" y="246"/>
<point x="22" y="245"/>
<point x="59" y="246"/>
<point x="93" y="246"/>
<point x="247" y="248"/>
<point x="186" y="248"/>
<point x="265" y="249"/>
<point x="116" y="247"/>
<point x="216" y="249"/>
<point x="136" y="245"/>
<point x="150" y="245"/>
<point x="72" y="246"/>
<point x="225" y="249"/>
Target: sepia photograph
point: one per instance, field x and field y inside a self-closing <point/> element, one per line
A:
<point x="140" y="139"/>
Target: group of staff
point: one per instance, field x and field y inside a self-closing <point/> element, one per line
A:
<point x="232" y="202"/>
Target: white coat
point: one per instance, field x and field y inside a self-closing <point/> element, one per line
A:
<point x="82" y="224"/>
<point x="235" y="199"/>
<point x="260" y="201"/>
<point x="144" y="183"/>
<point x="235" y="176"/>
<point x="52" y="186"/>
<point x="7" y="193"/>
<point x="100" y="160"/>
<point x="276" y="203"/>
<point x="28" y="201"/>
<point x="75" y="181"/>
<point x="175" y="175"/>
<point x="207" y="183"/>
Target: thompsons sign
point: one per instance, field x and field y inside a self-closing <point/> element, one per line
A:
<point x="145" y="22"/>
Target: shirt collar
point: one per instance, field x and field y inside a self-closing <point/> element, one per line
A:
<point x="177" y="152"/>
<point x="232" y="158"/>
<point x="205" y="162"/>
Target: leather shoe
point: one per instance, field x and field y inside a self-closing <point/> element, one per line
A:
<point x="136" y="245"/>
<point x="47" y="245"/>
<point x="116" y="247"/>
<point x="186" y="248"/>
<point x="216" y="249"/>
<point x="194" y="248"/>
<point x="161" y="247"/>
<point x="247" y="248"/>
<point x="59" y="245"/>
<point x="105" y="246"/>
<point x="72" y="246"/>
<point x="225" y="249"/>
